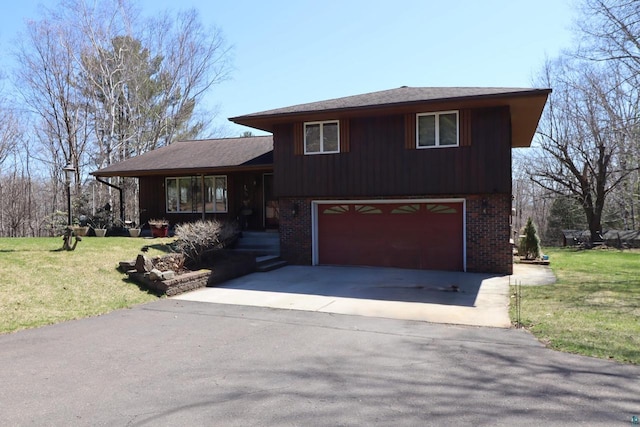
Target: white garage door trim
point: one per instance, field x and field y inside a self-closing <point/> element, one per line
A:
<point x="316" y="203"/>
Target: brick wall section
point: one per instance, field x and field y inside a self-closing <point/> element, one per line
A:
<point x="488" y="233"/>
<point x="295" y="231"/>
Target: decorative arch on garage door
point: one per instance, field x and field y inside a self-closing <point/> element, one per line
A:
<point x="419" y="234"/>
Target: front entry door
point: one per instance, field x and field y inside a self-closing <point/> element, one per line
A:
<point x="271" y="209"/>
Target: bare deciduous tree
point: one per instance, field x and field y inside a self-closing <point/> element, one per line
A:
<point x="48" y="74"/>
<point x="104" y="84"/>
<point x="581" y="141"/>
<point x="10" y="132"/>
<point x="610" y="31"/>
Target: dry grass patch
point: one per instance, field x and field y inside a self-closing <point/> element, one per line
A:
<point x="42" y="285"/>
<point x="593" y="309"/>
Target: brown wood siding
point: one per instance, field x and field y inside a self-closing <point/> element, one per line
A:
<point x="380" y="165"/>
<point x="344" y="136"/>
<point x="152" y="198"/>
<point x="410" y="131"/>
<point x="465" y="134"/>
<point x="298" y="139"/>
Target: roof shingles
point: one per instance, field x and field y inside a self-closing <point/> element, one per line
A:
<point x="402" y="95"/>
<point x="207" y="154"/>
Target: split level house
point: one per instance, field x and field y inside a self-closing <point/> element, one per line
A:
<point x="413" y="177"/>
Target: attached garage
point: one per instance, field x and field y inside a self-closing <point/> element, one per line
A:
<point x="418" y="234"/>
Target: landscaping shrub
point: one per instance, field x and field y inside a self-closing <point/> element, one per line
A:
<point x="530" y="243"/>
<point x="196" y="238"/>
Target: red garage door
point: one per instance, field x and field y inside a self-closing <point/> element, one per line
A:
<point x="426" y="236"/>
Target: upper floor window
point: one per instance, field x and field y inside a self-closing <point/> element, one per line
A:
<point x="190" y="194"/>
<point x="437" y="129"/>
<point x="322" y="137"/>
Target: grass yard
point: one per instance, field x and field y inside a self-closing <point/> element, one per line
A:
<point x="41" y="285"/>
<point x="593" y="309"/>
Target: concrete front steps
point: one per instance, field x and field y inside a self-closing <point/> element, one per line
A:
<point x="269" y="262"/>
<point x="265" y="245"/>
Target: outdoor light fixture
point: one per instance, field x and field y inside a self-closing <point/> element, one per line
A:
<point x="294" y="209"/>
<point x="69" y="171"/>
<point x="485" y="205"/>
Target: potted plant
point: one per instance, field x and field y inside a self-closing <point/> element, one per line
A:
<point x="159" y="227"/>
<point x="101" y="220"/>
<point x="80" y="226"/>
<point x="131" y="227"/>
<point x="100" y="232"/>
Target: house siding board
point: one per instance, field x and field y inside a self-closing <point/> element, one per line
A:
<point x="491" y="150"/>
<point x="151" y="200"/>
<point x="379" y="164"/>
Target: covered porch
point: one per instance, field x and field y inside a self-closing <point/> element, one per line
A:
<point x="227" y="179"/>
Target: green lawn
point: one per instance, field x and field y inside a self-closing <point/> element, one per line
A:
<point x="593" y="309"/>
<point x="41" y="285"/>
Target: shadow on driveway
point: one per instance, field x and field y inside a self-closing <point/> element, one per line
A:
<point x="433" y="296"/>
<point x="386" y="284"/>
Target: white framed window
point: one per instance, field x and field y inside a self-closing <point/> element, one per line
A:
<point x="322" y="137"/>
<point x="195" y="194"/>
<point x="437" y="129"/>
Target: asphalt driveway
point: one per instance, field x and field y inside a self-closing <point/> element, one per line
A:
<point x="176" y="362"/>
<point x="181" y="362"/>
<point x="432" y="296"/>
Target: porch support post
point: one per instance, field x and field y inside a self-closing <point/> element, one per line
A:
<point x="204" y="197"/>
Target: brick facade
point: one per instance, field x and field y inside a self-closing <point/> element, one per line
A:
<point x="487" y="222"/>
<point x="295" y="231"/>
<point x="488" y="233"/>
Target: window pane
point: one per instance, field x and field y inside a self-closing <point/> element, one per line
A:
<point x="330" y="137"/>
<point x="196" y="188"/>
<point x="172" y="195"/>
<point x="448" y="129"/>
<point x="426" y="131"/>
<point x="221" y="194"/>
<point x="185" y="195"/>
<point x="312" y="138"/>
<point x="208" y="193"/>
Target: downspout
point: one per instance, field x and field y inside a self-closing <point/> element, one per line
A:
<point x="119" y="191"/>
<point x="204" y="198"/>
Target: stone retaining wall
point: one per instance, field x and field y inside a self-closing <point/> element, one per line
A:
<point x="227" y="268"/>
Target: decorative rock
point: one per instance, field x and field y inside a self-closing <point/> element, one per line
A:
<point x="155" y="274"/>
<point x="127" y="266"/>
<point x="174" y="262"/>
<point x="143" y="264"/>
<point x="169" y="274"/>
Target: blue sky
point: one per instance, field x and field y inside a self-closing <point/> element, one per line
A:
<point x="292" y="52"/>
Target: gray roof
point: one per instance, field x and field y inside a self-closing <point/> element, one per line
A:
<point x="525" y="105"/>
<point x="402" y="95"/>
<point x="197" y="156"/>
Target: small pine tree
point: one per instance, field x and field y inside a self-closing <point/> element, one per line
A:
<point x="530" y="243"/>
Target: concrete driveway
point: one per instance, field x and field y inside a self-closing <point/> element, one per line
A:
<point x="432" y="296"/>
